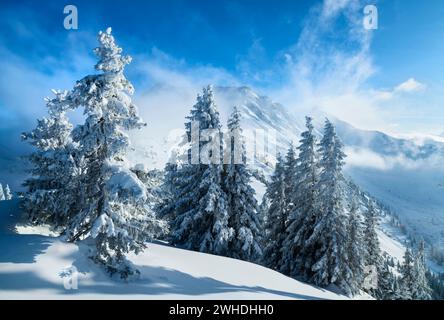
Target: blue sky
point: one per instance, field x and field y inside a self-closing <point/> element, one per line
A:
<point x="305" y="54"/>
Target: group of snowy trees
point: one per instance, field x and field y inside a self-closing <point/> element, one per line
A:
<point x="414" y="282"/>
<point x="311" y="232"/>
<point x="317" y="229"/>
<point x="80" y="182"/>
<point x="405" y="281"/>
<point x="210" y="204"/>
<point x="5" y="194"/>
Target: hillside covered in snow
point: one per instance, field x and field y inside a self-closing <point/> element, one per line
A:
<point x="35" y="265"/>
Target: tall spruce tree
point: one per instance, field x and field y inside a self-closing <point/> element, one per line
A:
<point x="291" y="165"/>
<point x="198" y="207"/>
<point x="373" y="259"/>
<point x="329" y="237"/>
<point x="298" y="257"/>
<point x="165" y="207"/>
<point x="114" y="210"/>
<point x="421" y="290"/>
<point x="241" y="202"/>
<point x="387" y="283"/>
<point x="276" y="218"/>
<point x="356" y="248"/>
<point x="407" y="270"/>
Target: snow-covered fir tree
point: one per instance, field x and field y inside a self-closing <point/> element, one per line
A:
<point x="298" y="257"/>
<point x="388" y="287"/>
<point x="165" y="207"/>
<point x="373" y="253"/>
<point x="355" y="247"/>
<point x="8" y="194"/>
<point x="329" y="238"/>
<point x="276" y="217"/>
<point x="51" y="190"/>
<point x="408" y="274"/>
<point x="242" y="205"/>
<point x="421" y="290"/>
<point x="290" y="176"/>
<point x="2" y="194"/>
<point x="114" y="213"/>
<point x="198" y="205"/>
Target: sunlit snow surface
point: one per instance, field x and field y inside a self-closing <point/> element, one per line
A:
<point x="36" y="266"/>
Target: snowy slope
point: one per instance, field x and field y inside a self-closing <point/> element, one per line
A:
<point x="35" y="266"/>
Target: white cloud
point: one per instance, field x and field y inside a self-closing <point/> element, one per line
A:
<point x="367" y="159"/>
<point x="410" y="85"/>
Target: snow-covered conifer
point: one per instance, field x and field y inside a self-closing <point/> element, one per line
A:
<point x="113" y="201"/>
<point x="421" y="289"/>
<point x="373" y="252"/>
<point x="330" y="232"/>
<point x="197" y="207"/>
<point x="356" y="248"/>
<point x="276" y="218"/>
<point x="291" y="165"/>
<point x="242" y="205"/>
<point x="298" y="257"/>
<point x="408" y="274"/>
<point x="165" y="208"/>
<point x="387" y="283"/>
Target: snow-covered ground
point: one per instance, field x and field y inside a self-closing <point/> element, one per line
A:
<point x="391" y="246"/>
<point x="35" y="265"/>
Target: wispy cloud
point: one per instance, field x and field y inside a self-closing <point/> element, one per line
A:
<point x="365" y="158"/>
<point x="328" y="67"/>
<point x="331" y="67"/>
